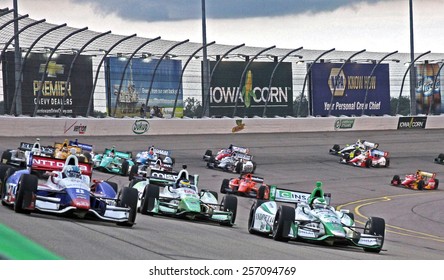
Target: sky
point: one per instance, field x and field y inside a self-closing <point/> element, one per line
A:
<point x="349" y="25"/>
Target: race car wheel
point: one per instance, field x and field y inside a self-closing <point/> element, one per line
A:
<point x="6" y="157"/>
<point x="375" y="226"/>
<point x="387" y="162"/>
<point x="336" y="147"/>
<point x="133" y="171"/>
<point x="125" y="168"/>
<point x="254" y="167"/>
<point x="421" y="184"/>
<point x="225" y="185"/>
<point x="128" y="197"/>
<point x="396" y="180"/>
<point x="261" y="192"/>
<point x="208" y="153"/>
<point x="441" y="157"/>
<point x="4" y="169"/>
<point x="238" y="167"/>
<point x="282" y="222"/>
<point x="368" y="163"/>
<point x="253" y="209"/>
<point x="26" y="189"/>
<point x="88" y="157"/>
<point x="151" y="194"/>
<point x="229" y="203"/>
<point x="436" y="184"/>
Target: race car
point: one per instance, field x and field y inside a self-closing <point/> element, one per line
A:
<point x="440" y="159"/>
<point x="18" y="157"/>
<point x="234" y="159"/>
<point x="83" y="151"/>
<point x="314" y="220"/>
<point x="68" y="192"/>
<point x="176" y="194"/>
<point x="226" y="152"/>
<point x="421" y="180"/>
<point x="362" y="145"/>
<point x="113" y="161"/>
<point x="368" y="158"/>
<point x="153" y="158"/>
<point x="246" y="185"/>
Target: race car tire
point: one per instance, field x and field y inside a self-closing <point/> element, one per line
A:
<point x="375" y="226"/>
<point x="368" y="163"/>
<point x="128" y="197"/>
<point x="253" y="209"/>
<point x="224" y="186"/>
<point x="238" y="167"/>
<point x="436" y="184"/>
<point x="125" y="168"/>
<point x="261" y="192"/>
<point x="396" y="180"/>
<point x="387" y="162"/>
<point x="113" y="185"/>
<point x="336" y="147"/>
<point x="133" y="171"/>
<point x="208" y="153"/>
<point x="4" y="170"/>
<point x="88" y="157"/>
<point x="25" y="193"/>
<point x="211" y="162"/>
<point x="421" y="184"/>
<point x="229" y="203"/>
<point x="6" y="157"/>
<point x="134" y="182"/>
<point x="254" y="167"/>
<point x="441" y="157"/>
<point x="282" y="222"/>
<point x="150" y="195"/>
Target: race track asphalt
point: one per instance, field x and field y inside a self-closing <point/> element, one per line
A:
<point x="414" y="219"/>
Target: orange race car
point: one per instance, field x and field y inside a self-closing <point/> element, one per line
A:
<point x="246" y="185"/>
<point x="82" y="151"/>
<point x="421" y="180"/>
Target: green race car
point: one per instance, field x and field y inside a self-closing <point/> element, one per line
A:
<point x="113" y="161"/>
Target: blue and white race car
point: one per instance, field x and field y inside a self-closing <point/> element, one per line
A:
<point x="68" y="192"/>
<point x="153" y="158"/>
<point x="312" y="219"/>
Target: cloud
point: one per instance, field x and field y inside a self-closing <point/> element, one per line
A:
<point x="175" y="10"/>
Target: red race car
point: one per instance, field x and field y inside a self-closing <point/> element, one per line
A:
<point x="421" y="180"/>
<point x="246" y="185"/>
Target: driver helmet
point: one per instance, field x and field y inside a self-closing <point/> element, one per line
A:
<point x="168" y="160"/>
<point x="184" y="183"/>
<point x="319" y="202"/>
<point x="72" y="171"/>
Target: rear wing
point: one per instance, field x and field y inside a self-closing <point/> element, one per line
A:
<point x="239" y="149"/>
<point x="292" y="196"/>
<point x="170" y="177"/>
<point x="428" y="174"/>
<point x="370" y="145"/>
<point x="162" y="152"/>
<point x="254" y="178"/>
<point x="83" y="146"/>
<point x="41" y="163"/>
<point x="124" y="155"/>
<point x="239" y="155"/>
<point x="47" y="150"/>
<point x="379" y="153"/>
<point x="58" y="146"/>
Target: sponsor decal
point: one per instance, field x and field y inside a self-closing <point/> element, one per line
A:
<point x="337" y="82"/>
<point x="291" y="196"/>
<point x="239" y="126"/>
<point x="76" y="127"/>
<point x="412" y="122"/>
<point x="306" y="233"/>
<point x="141" y="126"/>
<point x="344" y="123"/>
<point x="264" y="217"/>
<point x="164" y="176"/>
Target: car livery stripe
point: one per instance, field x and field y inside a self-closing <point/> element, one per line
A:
<point x="15" y="246"/>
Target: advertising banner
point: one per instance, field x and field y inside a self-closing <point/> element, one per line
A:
<point x="428" y="98"/>
<point x="136" y="84"/>
<point x="412" y="122"/>
<point x="55" y="91"/>
<point x="346" y="91"/>
<point x="254" y="90"/>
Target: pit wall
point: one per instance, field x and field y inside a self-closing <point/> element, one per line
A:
<point x="48" y="126"/>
